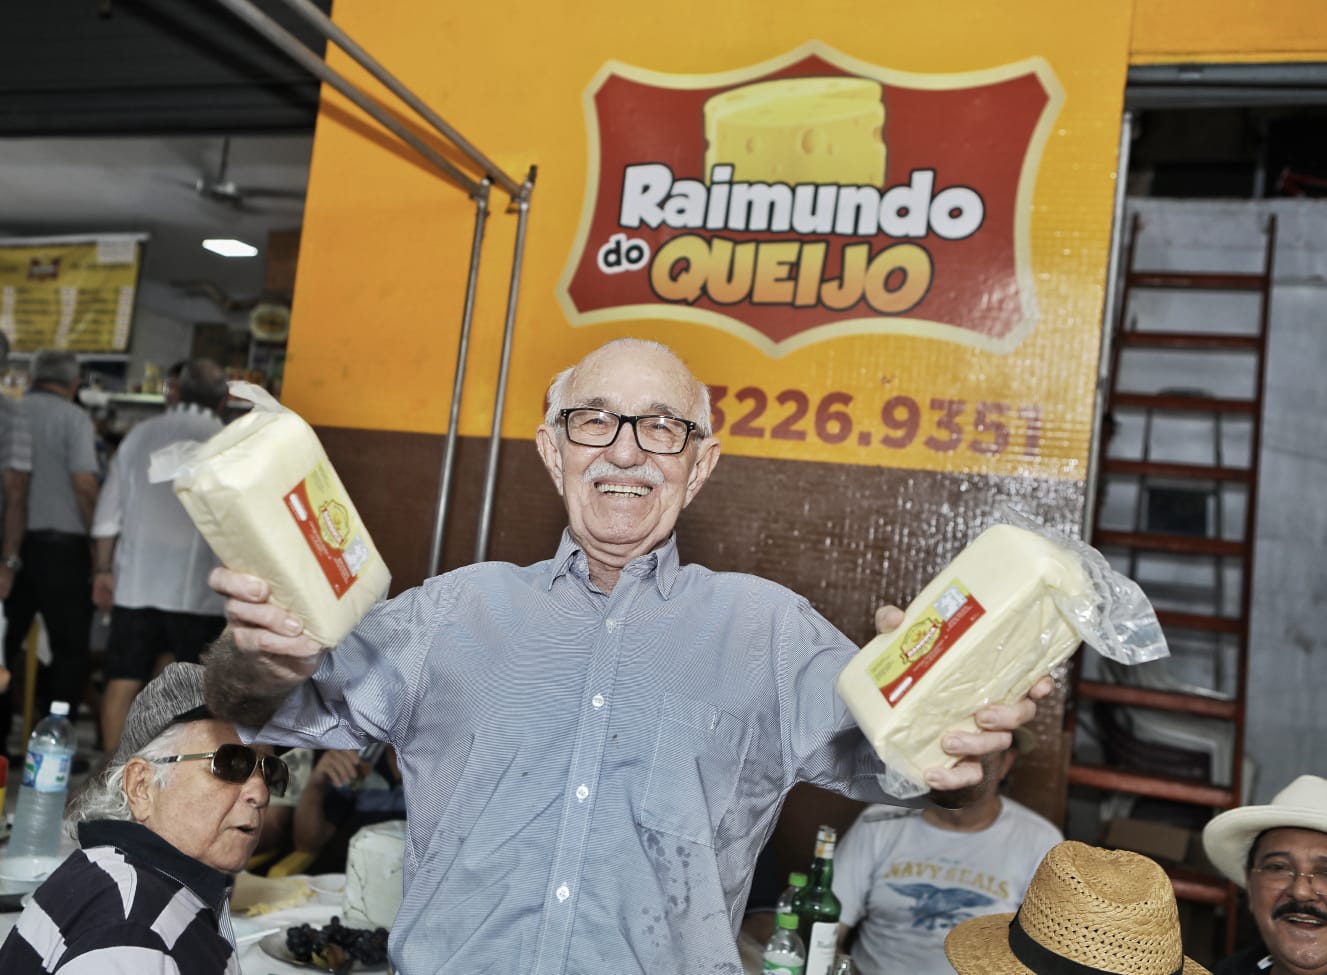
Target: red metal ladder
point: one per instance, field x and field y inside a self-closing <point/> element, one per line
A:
<point x="1208" y="617"/>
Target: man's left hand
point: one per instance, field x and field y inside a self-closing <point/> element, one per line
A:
<point x="996" y="721"/>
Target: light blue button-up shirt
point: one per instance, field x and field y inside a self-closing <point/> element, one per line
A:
<point x="590" y="775"/>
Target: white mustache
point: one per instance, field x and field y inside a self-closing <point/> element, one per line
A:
<point x="602" y="470"/>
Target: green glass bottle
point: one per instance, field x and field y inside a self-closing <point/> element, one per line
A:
<point x="817" y="908"/>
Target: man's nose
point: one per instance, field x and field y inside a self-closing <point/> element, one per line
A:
<point x="1302" y="886"/>
<point x="624" y="451"/>
<point x="255" y="788"/>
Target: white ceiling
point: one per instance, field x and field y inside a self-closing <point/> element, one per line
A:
<point x="121" y="184"/>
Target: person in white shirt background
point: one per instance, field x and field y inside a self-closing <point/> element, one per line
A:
<point x="151" y="563"/>
<point x="905" y="877"/>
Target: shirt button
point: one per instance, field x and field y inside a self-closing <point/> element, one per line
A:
<point x="611" y="625"/>
<point x="597" y="701"/>
<point x="582" y="792"/>
<point x="563" y="892"/>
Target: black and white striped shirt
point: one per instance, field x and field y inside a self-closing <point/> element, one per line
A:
<point x="126" y="903"/>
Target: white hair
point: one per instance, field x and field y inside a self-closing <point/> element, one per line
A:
<point x="557" y="389"/>
<point x="105" y="798"/>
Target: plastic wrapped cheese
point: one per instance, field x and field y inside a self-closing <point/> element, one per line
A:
<point x="1011" y="607"/>
<point x="267" y="500"/>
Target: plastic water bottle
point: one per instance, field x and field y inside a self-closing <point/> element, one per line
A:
<point x="784" y="952"/>
<point x="39" y="813"/>
<point x="796" y="881"/>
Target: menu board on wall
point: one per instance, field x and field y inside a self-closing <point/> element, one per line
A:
<point x="74" y="292"/>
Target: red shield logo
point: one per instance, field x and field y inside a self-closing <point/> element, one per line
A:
<point x="813" y="197"/>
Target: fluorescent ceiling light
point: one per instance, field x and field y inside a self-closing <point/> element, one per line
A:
<point x="229" y="247"/>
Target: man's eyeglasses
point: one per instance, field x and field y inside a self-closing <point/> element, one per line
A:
<point x="235" y="763"/>
<point x="655" y="433"/>
<point x="1278" y="875"/>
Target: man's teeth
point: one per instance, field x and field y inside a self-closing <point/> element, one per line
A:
<point x="638" y="490"/>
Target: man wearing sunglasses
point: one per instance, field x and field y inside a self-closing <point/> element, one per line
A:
<point x="161" y="830"/>
<point x="594" y="748"/>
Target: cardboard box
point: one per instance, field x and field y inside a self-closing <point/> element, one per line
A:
<point x="1162" y="842"/>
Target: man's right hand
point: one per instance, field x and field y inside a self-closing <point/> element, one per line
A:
<point x="263" y="630"/>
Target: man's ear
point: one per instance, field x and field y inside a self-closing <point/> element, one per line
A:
<point x="137" y="785"/>
<point x="546" y="441"/>
<point x="707" y="455"/>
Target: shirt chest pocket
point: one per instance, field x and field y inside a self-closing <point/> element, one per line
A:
<point x="695" y="770"/>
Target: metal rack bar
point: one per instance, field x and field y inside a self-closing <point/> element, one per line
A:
<point x="315" y="65"/>
<point x="499" y="399"/>
<point x="478" y="190"/>
<point x="329" y="30"/>
<point x="458" y="383"/>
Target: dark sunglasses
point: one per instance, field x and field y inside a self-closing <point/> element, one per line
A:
<point x="235" y="763"/>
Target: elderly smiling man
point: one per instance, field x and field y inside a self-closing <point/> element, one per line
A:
<point x="595" y="747"/>
<point x="1278" y="852"/>
<point x="174" y="814"/>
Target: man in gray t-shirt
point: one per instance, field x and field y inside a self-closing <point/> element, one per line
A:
<point x="55" y="574"/>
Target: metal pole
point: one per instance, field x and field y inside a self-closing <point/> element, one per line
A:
<point x="1110" y="310"/>
<point x="329" y="30"/>
<point x="458" y="381"/>
<point x="495" y="437"/>
<point x="287" y="41"/>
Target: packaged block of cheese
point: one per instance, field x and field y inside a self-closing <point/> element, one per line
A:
<point x="1010" y="608"/>
<point x="265" y="496"/>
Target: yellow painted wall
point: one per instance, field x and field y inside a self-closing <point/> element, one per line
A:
<point x="1230" y="31"/>
<point x="385" y="244"/>
<point x="386" y="240"/>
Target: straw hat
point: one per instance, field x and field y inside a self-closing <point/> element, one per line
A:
<point x="1087" y="910"/>
<point x="1228" y="837"/>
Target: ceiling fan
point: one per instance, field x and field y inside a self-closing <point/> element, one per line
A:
<point x="221" y="189"/>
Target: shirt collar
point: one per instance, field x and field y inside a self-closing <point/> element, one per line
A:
<point x="142" y="845"/>
<point x="663" y="563"/>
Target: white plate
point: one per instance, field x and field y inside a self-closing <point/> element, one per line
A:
<point x="328" y="883"/>
<point x="252" y="928"/>
<point x="21" y="874"/>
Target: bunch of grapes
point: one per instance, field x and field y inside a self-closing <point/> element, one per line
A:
<point x="369" y="947"/>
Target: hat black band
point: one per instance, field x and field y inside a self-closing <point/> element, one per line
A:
<point x="200" y="713"/>
<point x="1043" y="961"/>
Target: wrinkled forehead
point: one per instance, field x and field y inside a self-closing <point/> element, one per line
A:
<point x="1291" y="841"/>
<point x="635" y="381"/>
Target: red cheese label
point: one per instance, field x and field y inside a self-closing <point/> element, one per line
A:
<point x="917" y="649"/>
<point x="327" y="523"/>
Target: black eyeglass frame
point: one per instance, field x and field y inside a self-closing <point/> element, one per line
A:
<point x="622" y="420"/>
<point x="257" y="761"/>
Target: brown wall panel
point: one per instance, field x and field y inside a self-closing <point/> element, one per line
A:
<point x="848" y="538"/>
